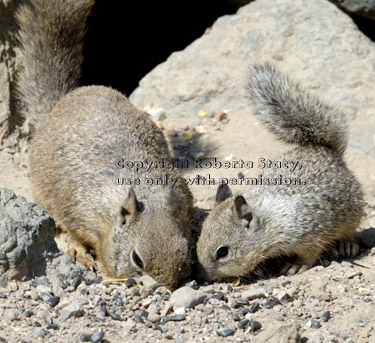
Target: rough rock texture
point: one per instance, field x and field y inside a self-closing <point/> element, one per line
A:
<point x="27" y="245"/>
<point x="364" y="8"/>
<point x="186" y="297"/>
<point x="26" y="236"/>
<point x="313" y="41"/>
<point x="280" y="333"/>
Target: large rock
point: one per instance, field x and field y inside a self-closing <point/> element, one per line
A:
<point x="26" y="236"/>
<point x="280" y="333"/>
<point x="313" y="41"/>
<point x="27" y="245"/>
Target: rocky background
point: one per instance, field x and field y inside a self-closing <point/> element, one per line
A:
<point x="197" y="97"/>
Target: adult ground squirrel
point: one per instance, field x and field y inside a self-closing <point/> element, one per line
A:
<point x="276" y="219"/>
<point x="133" y="228"/>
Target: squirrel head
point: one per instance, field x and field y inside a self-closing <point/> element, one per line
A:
<point x="150" y="241"/>
<point x="228" y="238"/>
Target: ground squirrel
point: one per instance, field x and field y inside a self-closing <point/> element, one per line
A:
<point x="273" y="220"/>
<point x="80" y="133"/>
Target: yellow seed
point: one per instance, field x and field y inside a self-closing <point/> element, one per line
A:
<point x="206" y="137"/>
<point x="187" y="138"/>
<point x="364" y="334"/>
<point x="159" y="125"/>
<point x="202" y="113"/>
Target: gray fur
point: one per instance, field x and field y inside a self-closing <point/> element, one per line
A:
<point x="80" y="134"/>
<point x="285" y="219"/>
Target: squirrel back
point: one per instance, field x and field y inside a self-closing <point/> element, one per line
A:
<point x="275" y="216"/>
<point x="133" y="227"/>
<point x="51" y="35"/>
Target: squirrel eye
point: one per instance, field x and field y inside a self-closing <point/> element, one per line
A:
<point x="221" y="252"/>
<point x="137" y="260"/>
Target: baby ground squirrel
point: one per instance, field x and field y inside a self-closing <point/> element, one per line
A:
<point x="273" y="220"/>
<point x="80" y="133"/>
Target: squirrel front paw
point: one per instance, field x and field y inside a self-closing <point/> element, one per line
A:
<point x="80" y="254"/>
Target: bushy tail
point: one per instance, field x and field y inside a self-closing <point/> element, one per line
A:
<point x="291" y="113"/>
<point x="51" y="37"/>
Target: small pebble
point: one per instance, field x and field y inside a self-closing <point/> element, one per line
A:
<point x="236" y="317"/>
<point x="326" y="316"/>
<point x="225" y="307"/>
<point x="85" y="337"/>
<point x="255" y="326"/>
<point x="97" y="337"/>
<point x="135" y="292"/>
<point x="143" y="313"/>
<point x="241" y="302"/>
<point x="113" y="315"/>
<point x="71" y="310"/>
<point x="271" y="302"/>
<point x="243" y="324"/>
<point x="161" y="328"/>
<point x="254" y="307"/>
<point x="156" y="286"/>
<point x="243" y="310"/>
<point x="130" y="283"/>
<point x="220" y="115"/>
<point x="177" y="317"/>
<point x="53" y="301"/>
<point x="103" y="308"/>
<point x="225" y="332"/>
<point x="76" y="282"/>
<point x="48" y="319"/>
<point x="97" y="279"/>
<point x="315" y="324"/>
<point x="29" y="313"/>
<point x="137" y="318"/>
<point x="49" y="299"/>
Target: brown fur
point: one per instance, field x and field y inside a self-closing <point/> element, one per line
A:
<point x="80" y="134"/>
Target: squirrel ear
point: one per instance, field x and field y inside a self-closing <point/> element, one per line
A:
<point x="223" y="193"/>
<point x="243" y="210"/>
<point x="128" y="209"/>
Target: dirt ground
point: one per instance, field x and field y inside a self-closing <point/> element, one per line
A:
<point x="241" y="137"/>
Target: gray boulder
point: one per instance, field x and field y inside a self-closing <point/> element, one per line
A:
<point x="26" y="237"/>
<point x="313" y="41"/>
<point x="27" y="245"/>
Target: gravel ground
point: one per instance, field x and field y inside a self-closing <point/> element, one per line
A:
<point x="332" y="302"/>
<point x="324" y="304"/>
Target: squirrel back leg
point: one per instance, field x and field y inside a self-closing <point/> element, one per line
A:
<point x="348" y="249"/>
<point x="345" y="248"/>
